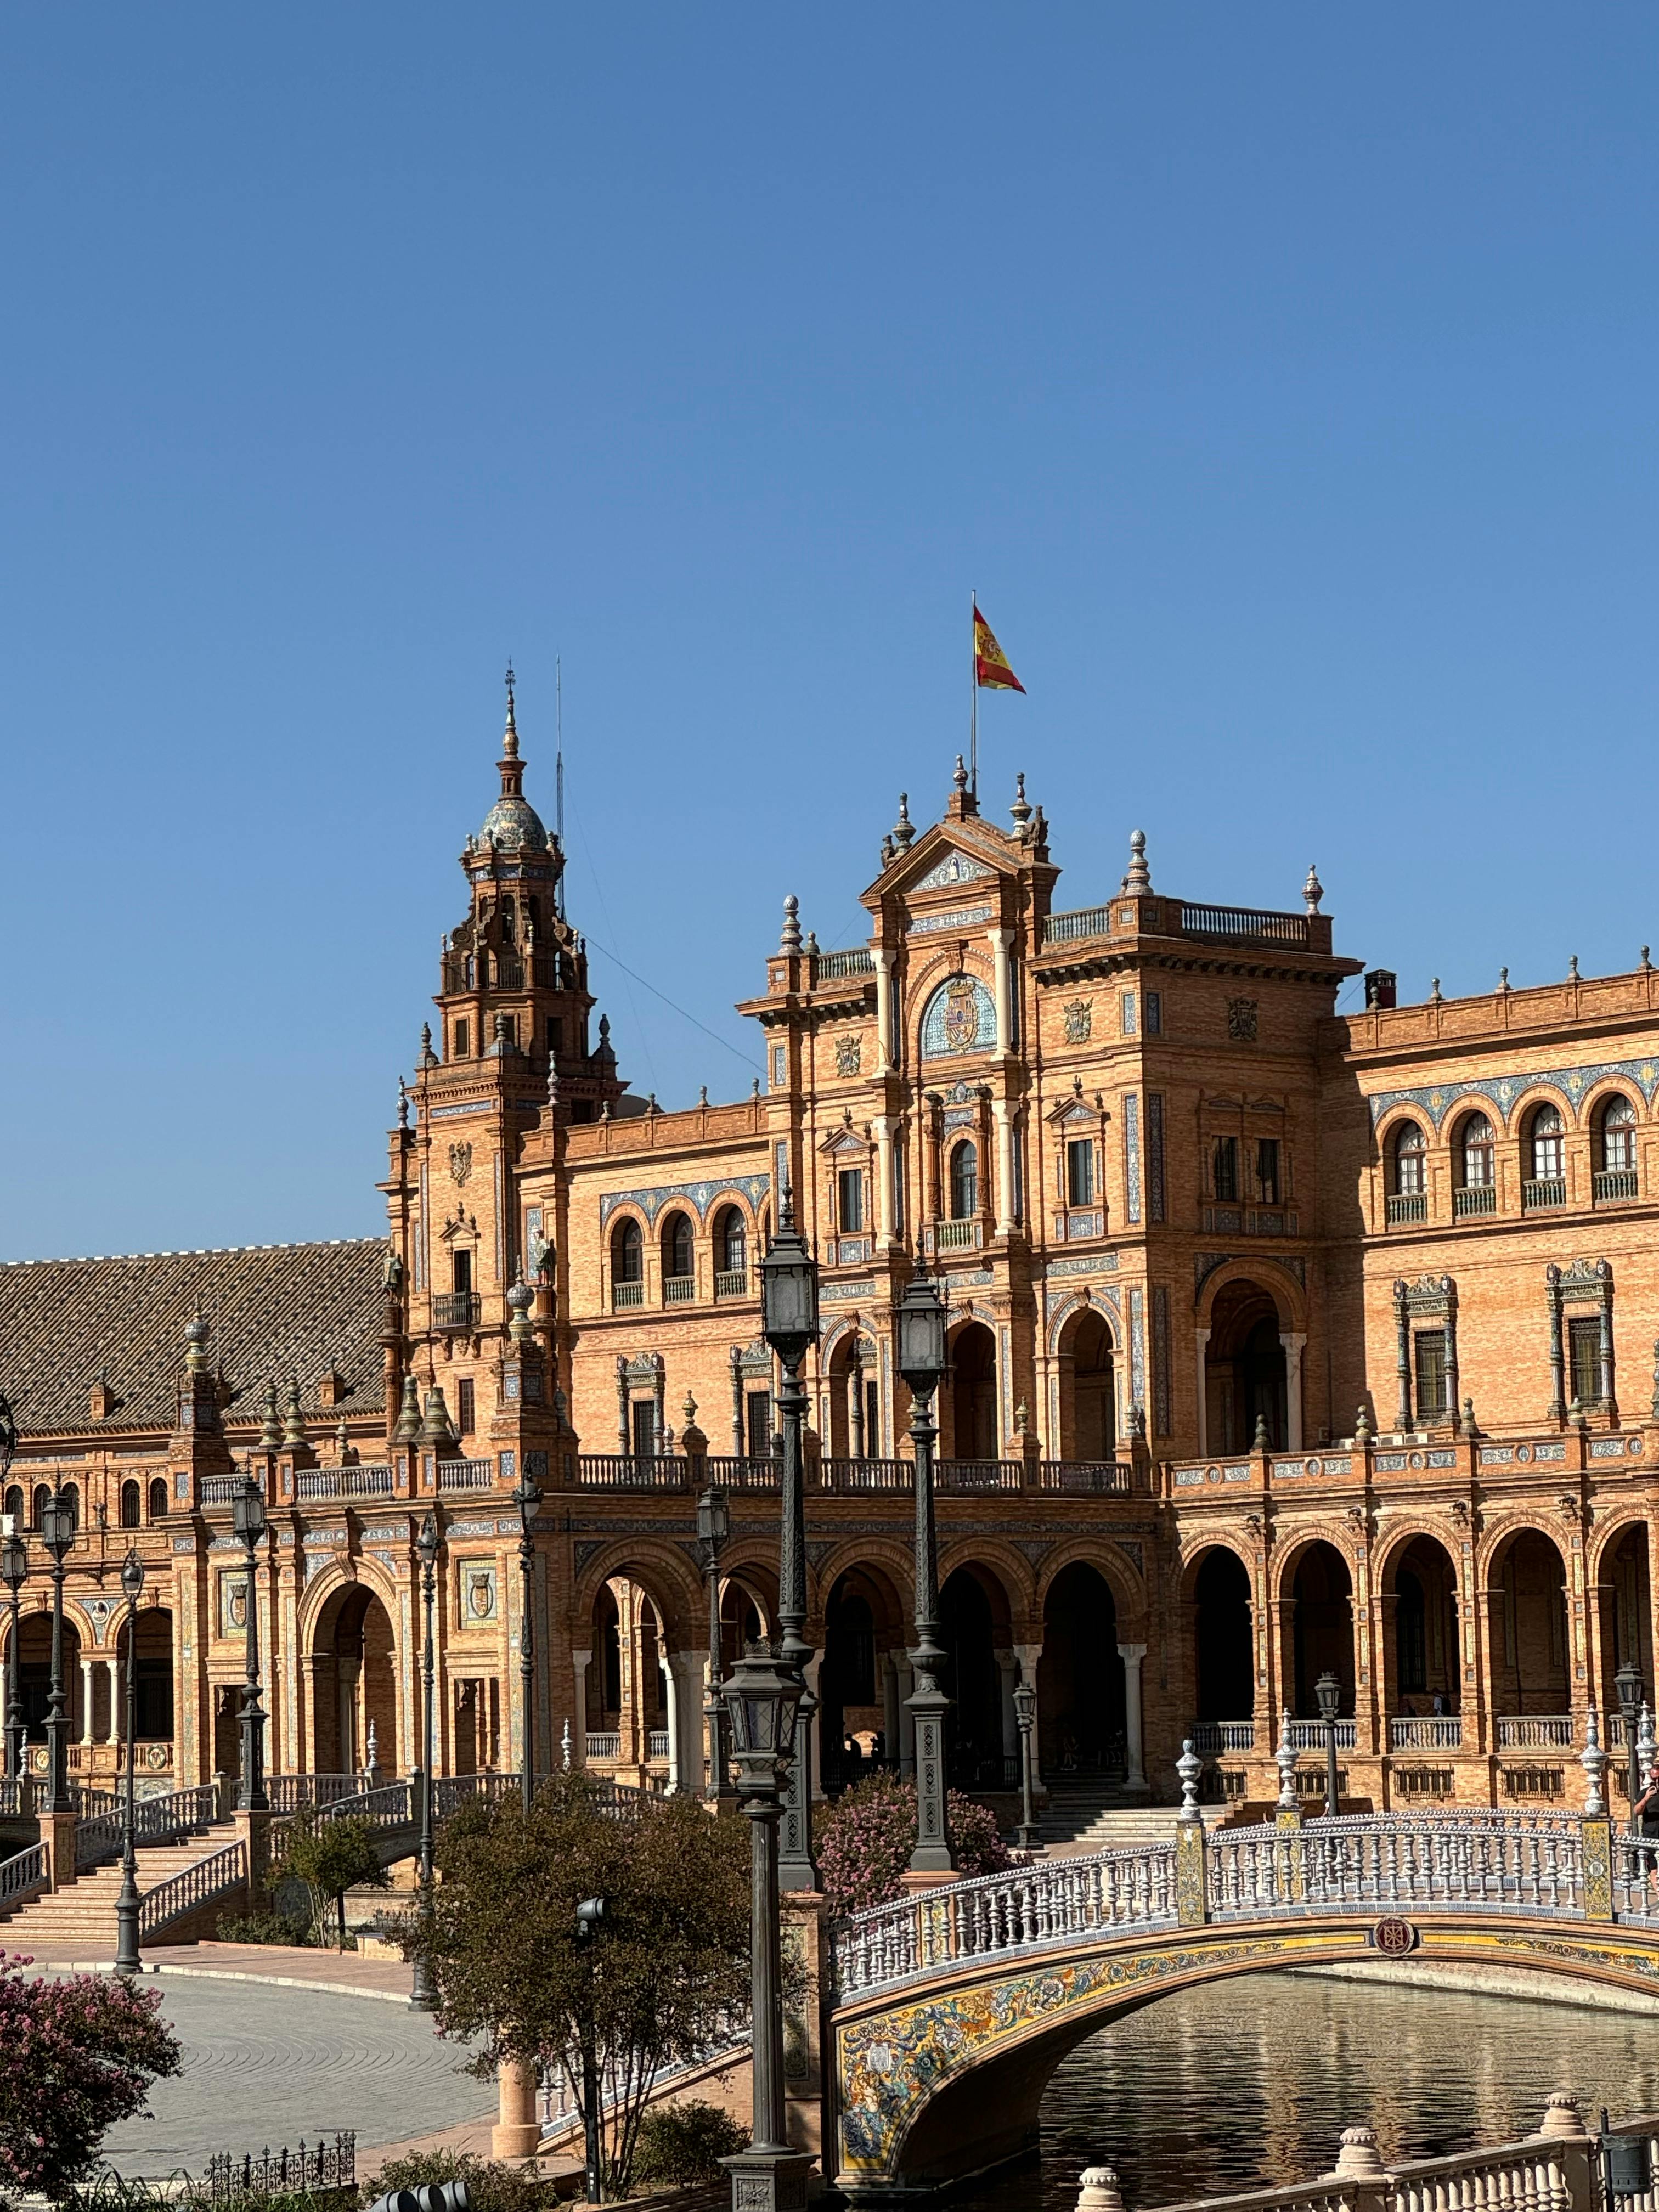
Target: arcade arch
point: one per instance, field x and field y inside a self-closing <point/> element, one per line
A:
<point x="1420" y="1672"/>
<point x="1245" y="1370"/>
<point x="968" y="1423"/>
<point x="354" y="1686"/>
<point x="1530" y="1660"/>
<point x="1224" y="1650"/>
<point x="1088" y="1387"/>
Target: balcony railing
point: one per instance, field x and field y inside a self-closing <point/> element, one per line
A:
<point x="1084" y="1478"/>
<point x="656" y="1744"/>
<point x="863" y="1475"/>
<point x="1243" y="924"/>
<point x="855" y="962"/>
<point x="466" y="1474"/>
<point x="620" y="1471"/>
<point x="1408" y="1206"/>
<point x="342" y="1482"/>
<point x="1539" y="1192"/>
<point x="1210" y="1737"/>
<point x="1310" y="1736"/>
<point x="604" y="1743"/>
<point x="1086" y="921"/>
<point x="742" y="1473"/>
<point x="956" y="1235"/>
<point x="1612" y="1184"/>
<point x="970" y="1477"/>
<point x="678" y="1289"/>
<point x="732" y="1283"/>
<point x="623" y="1294"/>
<point x="1474" y="1198"/>
<point x="455" y="1310"/>
<point x="1534" y="1732"/>
<point x="1425" y="1732"/>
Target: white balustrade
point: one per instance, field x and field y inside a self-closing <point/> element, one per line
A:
<point x="1535" y="1732"/>
<point x="1310" y="1735"/>
<point x="1425" y="1732"/>
<point x="604" y="1743"/>
<point x="1210" y="1737"/>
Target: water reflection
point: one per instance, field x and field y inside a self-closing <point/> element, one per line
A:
<point x="1249" y="2083"/>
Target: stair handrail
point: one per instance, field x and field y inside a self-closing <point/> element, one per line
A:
<point x="24" y="1872"/>
<point x="213" y="1876"/>
<point x="160" y="1819"/>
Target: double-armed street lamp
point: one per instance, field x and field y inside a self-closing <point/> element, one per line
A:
<point x="1627" y="1682"/>
<point x="527" y="1497"/>
<point x="1026" y="1705"/>
<point x="922" y="1321"/>
<point x="58" y="1533"/>
<point x="714" y="1527"/>
<point x="247" y="1518"/>
<point x="763" y="1703"/>
<point x="423" y="1992"/>
<point x="127" y="1904"/>
<point x="14" y="1572"/>
<point x="789" y="1308"/>
<point x="1328" y="1691"/>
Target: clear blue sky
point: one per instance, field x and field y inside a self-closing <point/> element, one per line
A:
<point x="1285" y="378"/>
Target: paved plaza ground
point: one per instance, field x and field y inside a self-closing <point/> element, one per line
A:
<point x="266" y="2063"/>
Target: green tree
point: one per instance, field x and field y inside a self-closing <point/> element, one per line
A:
<point x="657" y="1982"/>
<point x="330" y="1857"/>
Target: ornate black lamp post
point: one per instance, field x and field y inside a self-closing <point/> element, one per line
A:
<point x="1628" y="1684"/>
<point x="714" y="1527"/>
<point x="921" y="1325"/>
<point x="127" y="1904"/>
<point x="789" y="1305"/>
<point x="423" y="1993"/>
<point x="527" y="1498"/>
<point x="1328" y="1691"/>
<point x="248" y="1517"/>
<point x="58" y="1533"/>
<point x="589" y="1919"/>
<point x="1026" y="1705"/>
<point x="762" y="1701"/>
<point x="14" y="1572"/>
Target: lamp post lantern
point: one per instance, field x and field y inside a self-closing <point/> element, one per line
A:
<point x="1328" y="1691"/>
<point x="14" y="1572"/>
<point x="527" y="1498"/>
<point x="763" y="1703"/>
<point x="789" y="1308"/>
<point x="423" y="1992"/>
<point x="1025" y="1704"/>
<point x="1628" y="1684"/>
<point x="247" y="1515"/>
<point x="922" y="1320"/>
<point x="58" y="1533"/>
<point x="127" y="1904"/>
<point x="714" y="1527"/>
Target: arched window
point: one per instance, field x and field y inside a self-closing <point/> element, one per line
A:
<point x="130" y="1503"/>
<point x="1410" y="1160"/>
<point x="627" y="1253"/>
<point x="1474" y="1152"/>
<point x="964" y="1182"/>
<point x="71" y="1496"/>
<point x="1615" y="1126"/>
<point x="38" y="1514"/>
<point x="731" y="1241"/>
<point x="158" y="1498"/>
<point x="14" y="1506"/>
<point x="677" y="1260"/>
<point x="1546" y="1145"/>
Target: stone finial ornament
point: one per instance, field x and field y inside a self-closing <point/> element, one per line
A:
<point x="1021" y="808"/>
<point x="510" y="739"/>
<point x="1284" y="1760"/>
<point x="1313" y="891"/>
<point x="293" y="1421"/>
<point x="790" y="940"/>
<point x="342" y="1441"/>
<point x="1594" y="1760"/>
<point x="1572" y="968"/>
<point x="1468" y="1428"/>
<point x="270" y="1434"/>
<point x="521" y="1298"/>
<point x="1646" y="963"/>
<point x="1188" y="1766"/>
<point x="408" y="1430"/>
<point x="429" y="1057"/>
<point x="1139" y="878"/>
<point x="1561" y="2116"/>
<point x="888" y="849"/>
<point x="960" y="776"/>
<point x="1358" y="2158"/>
<point x="402" y="1103"/>
<point x="903" y="830"/>
<point x="1362" y="1431"/>
<point x="196" y="1337"/>
<point x="1434" y="990"/>
<point x="811" y="947"/>
<point x="1503" y="979"/>
<point x="1260" y="1441"/>
<point x="1099" y="2190"/>
<point x="1645" y="1746"/>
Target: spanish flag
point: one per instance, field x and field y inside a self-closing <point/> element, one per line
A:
<point x="990" y="669"/>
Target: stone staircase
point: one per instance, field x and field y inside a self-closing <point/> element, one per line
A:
<point x="1081" y="1817"/>
<point x="75" y="1926"/>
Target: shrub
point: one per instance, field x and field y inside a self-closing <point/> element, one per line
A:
<point x="76" y="2057"/>
<point x="866" y="1837"/>
<point x="683" y="2143"/>
<point x="489" y="2187"/>
<point x="330" y="1856"/>
<point x="258" y="1927"/>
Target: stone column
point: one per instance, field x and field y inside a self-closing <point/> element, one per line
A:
<point x="882" y="1129"/>
<point x="884" y="960"/>
<point x="1000" y="940"/>
<point x="1008" y="1666"/>
<point x="1402" y="1358"/>
<point x="118" y="1704"/>
<point x="1557" y="1359"/>
<point x="671" y="1690"/>
<point x="812" y="1669"/>
<point x="1295" y="1345"/>
<point x="1201" y="1342"/>
<point x="518" y="2129"/>
<point x="688" y="1674"/>
<point x="1028" y="1655"/>
<point x="1132" y="1655"/>
<point x="1004" y="1112"/>
<point x="86" y="1700"/>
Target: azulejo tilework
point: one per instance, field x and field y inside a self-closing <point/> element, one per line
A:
<point x="1435" y="1100"/>
<point x="651" y="1203"/>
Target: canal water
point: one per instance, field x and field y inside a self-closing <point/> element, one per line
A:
<point x="1249" y="2084"/>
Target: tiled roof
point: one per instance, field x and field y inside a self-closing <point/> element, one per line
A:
<point x="276" y="1310"/>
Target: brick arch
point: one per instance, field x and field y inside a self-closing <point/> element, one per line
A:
<point x="1268" y="1274"/>
<point x="1091" y="1299"/>
<point x="1127" y="1587"/>
<point x="1605" y="1540"/>
<point x="1221" y="1540"/>
<point x="893" y="1561"/>
<point x="1473" y="1101"/>
<point x="1007" y="1566"/>
<point x="1610" y="1086"/>
<point x="1499" y="1534"/>
<point x="1287" y="1557"/>
<point x="1388" y="1551"/>
<point x="933" y="975"/>
<point x="1537" y="1090"/>
<point x="846" y="1324"/>
<point x="336" y="1577"/>
<point x="1394" y="1118"/>
<point x="663" y="1573"/>
<point x="753" y="1562"/>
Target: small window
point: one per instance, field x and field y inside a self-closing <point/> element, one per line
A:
<point x="1411" y="1155"/>
<point x="509" y="922"/>
<point x="1080" y="1171"/>
<point x="38" y="1517"/>
<point x="731" y="1242"/>
<point x="158" y="1498"/>
<point x="757" y="1424"/>
<point x="964" y="1183"/>
<point x="1476" y="1152"/>
<point x="1154" y="1013"/>
<point x="466" y="1402"/>
<point x="555" y="1034"/>
<point x="676" y="1251"/>
<point x="643" y="1417"/>
<point x="1267" y="1171"/>
<point x="1225" y="1167"/>
<point x="1547" y="1144"/>
<point x="780" y="1065"/>
<point x="628" y="1253"/>
<point x="1616" y="1124"/>
<point x="1128" y="1013"/>
<point x="462" y="1044"/>
<point x="70" y="1495"/>
<point x="14" y="1507"/>
<point x="1585" y="1345"/>
<point x="130" y="1503"/>
<point x="460" y="1269"/>
<point x="849" y="1195"/>
<point x="1430" y="1350"/>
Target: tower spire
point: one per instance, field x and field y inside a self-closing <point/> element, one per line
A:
<point x="510" y="741"/>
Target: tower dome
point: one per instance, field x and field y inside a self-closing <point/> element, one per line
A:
<point x="513" y="823"/>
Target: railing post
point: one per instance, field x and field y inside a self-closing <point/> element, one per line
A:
<point x="1596" y="1833"/>
<point x="1192" y="1884"/>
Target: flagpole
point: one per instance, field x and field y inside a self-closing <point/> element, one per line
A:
<point x="558" y="724"/>
<point x="972" y="694"/>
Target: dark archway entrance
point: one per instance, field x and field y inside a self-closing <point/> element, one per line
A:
<point x="970" y="1395"/>
<point x="1088" y="1396"/>
<point x="1080" y="1719"/>
<point x="1322" y="1627"/>
<point x="1529" y="1664"/>
<point x="354" y="1686"/>
<point x="1224" y="1647"/>
<point x="972" y="1629"/>
<point x="1244" y="1370"/>
<point x="1420" y="1656"/>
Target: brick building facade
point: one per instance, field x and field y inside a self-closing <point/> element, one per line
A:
<point x="1280" y="1341"/>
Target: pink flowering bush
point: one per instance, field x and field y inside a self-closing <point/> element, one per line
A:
<point x="76" y="2057"/>
<point x="864" y="1840"/>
